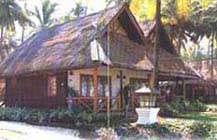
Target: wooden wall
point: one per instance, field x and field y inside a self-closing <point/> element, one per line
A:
<point x="2" y="89"/>
<point x="32" y="91"/>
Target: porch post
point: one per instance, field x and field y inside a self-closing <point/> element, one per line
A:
<point x="149" y="79"/>
<point x="121" y="90"/>
<point x="95" y="84"/>
<point x="184" y="88"/>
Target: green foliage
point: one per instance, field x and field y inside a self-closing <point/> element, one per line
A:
<point x="195" y="129"/>
<point x="11" y="11"/>
<point x="79" y="9"/>
<point x="45" y="12"/>
<point x="197" y="105"/>
<point x="174" y="108"/>
<point x="201" y="129"/>
<point x="46" y="115"/>
<point x="159" y="128"/>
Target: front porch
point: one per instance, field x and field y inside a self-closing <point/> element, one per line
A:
<point x="88" y="88"/>
<point x="92" y="89"/>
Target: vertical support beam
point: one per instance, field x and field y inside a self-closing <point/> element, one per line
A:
<point x="184" y="88"/>
<point x="205" y="91"/>
<point x="108" y="74"/>
<point x="119" y="103"/>
<point x="149" y="78"/>
<point x="176" y="89"/>
<point x="193" y="92"/>
<point x="133" y="101"/>
<point x="95" y="84"/>
<point x="121" y="90"/>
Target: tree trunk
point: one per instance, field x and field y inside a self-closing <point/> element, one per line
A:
<point x="156" y="45"/>
<point x="1" y="43"/>
<point x="23" y="34"/>
<point x="179" y="42"/>
<point x="23" y="26"/>
<point x="2" y="33"/>
<point x="212" y="54"/>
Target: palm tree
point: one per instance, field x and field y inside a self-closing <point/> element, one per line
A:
<point x="175" y="24"/>
<point x="24" y="23"/>
<point x="209" y="23"/>
<point x="204" y="24"/>
<point x="78" y="10"/>
<point x="10" y="12"/>
<point x="156" y="45"/>
<point x="175" y="17"/>
<point x="44" y="14"/>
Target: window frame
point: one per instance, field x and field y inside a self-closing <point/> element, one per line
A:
<point x="86" y="76"/>
<point x="89" y="76"/>
<point x="110" y="84"/>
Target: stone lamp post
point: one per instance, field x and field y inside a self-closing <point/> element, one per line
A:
<point x="147" y="111"/>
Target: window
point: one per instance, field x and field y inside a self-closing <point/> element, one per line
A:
<point x="52" y="87"/>
<point x="87" y="88"/>
<point x="103" y="86"/>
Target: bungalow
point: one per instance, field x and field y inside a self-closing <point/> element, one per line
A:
<point x="207" y="88"/>
<point x="89" y="57"/>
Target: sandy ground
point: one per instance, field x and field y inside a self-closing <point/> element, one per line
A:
<point x="22" y="131"/>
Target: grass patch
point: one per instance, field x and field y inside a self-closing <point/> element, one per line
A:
<point x="203" y="116"/>
<point x="197" y="124"/>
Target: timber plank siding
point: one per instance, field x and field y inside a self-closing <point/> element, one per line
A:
<point x="32" y="91"/>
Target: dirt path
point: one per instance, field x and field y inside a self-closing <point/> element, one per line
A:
<point x="22" y="131"/>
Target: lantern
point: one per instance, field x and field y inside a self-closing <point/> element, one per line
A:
<point x="147" y="112"/>
<point x="147" y="96"/>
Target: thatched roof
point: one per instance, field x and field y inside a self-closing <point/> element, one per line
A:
<point x="67" y="46"/>
<point x="59" y="47"/>
<point x="148" y="28"/>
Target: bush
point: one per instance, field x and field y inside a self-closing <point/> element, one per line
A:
<point x="195" y="129"/>
<point x="201" y="129"/>
<point x="46" y="115"/>
<point x="159" y="128"/>
<point x="174" y="108"/>
<point x="198" y="106"/>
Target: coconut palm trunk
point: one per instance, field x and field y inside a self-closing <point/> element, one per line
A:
<point x="156" y="46"/>
<point x="2" y="34"/>
<point x="212" y="54"/>
<point x="1" y="42"/>
<point x="23" y="25"/>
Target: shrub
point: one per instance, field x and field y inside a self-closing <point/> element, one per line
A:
<point x="198" y="106"/>
<point x="201" y="129"/>
<point x="46" y="115"/>
<point x="167" y="110"/>
<point x="174" y="108"/>
<point x="159" y="128"/>
<point x="196" y="129"/>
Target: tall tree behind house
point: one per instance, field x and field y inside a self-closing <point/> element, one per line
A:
<point x="205" y="24"/>
<point x="156" y="45"/>
<point x="175" y="17"/>
<point x="10" y="12"/>
<point x="79" y="9"/>
<point x="44" y="13"/>
<point x="24" y="25"/>
<point x="210" y="21"/>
